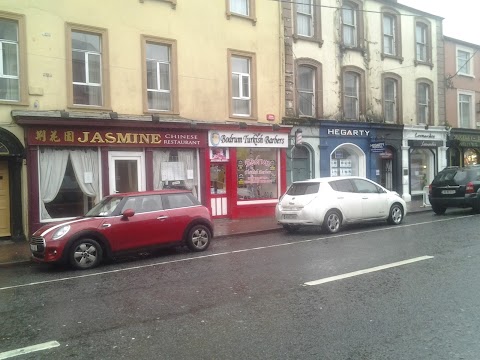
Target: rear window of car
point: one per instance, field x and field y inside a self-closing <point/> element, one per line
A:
<point x="303" y="188"/>
<point x="174" y="201"/>
<point x="459" y="176"/>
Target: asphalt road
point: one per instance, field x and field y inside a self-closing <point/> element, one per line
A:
<point x="370" y="292"/>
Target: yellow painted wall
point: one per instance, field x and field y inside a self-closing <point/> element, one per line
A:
<point x="203" y="34"/>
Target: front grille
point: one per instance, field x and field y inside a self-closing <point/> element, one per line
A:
<point x="39" y="243"/>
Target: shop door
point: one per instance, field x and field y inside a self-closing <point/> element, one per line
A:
<point x="386" y="175"/>
<point x="4" y="200"/>
<point x="218" y="189"/>
<point x="300" y="164"/>
<point x="126" y="171"/>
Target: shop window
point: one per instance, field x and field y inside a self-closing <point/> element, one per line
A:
<point x="347" y="160"/>
<point x="175" y="169"/>
<point x="257" y="171"/>
<point x="69" y="182"/>
<point x="470" y="157"/>
<point x="421" y="167"/>
<point x="218" y="175"/>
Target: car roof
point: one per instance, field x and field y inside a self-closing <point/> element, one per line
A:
<point x="331" y="178"/>
<point x="151" y="192"/>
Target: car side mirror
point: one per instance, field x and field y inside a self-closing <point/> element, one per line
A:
<point x="128" y="213"/>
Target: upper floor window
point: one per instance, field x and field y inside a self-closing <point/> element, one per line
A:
<point x="352" y="24"/>
<point x="160" y="74"/>
<point x="353" y="93"/>
<point x="242" y="84"/>
<point x="392" y="99"/>
<point x="466" y="113"/>
<point x="423" y="41"/>
<point x="464" y="61"/>
<point x="307" y="21"/>
<point x="392" y="44"/>
<point x="12" y="62"/>
<point x="87" y="53"/>
<point x="243" y="8"/>
<point x="308" y="84"/>
<point x="424" y="103"/>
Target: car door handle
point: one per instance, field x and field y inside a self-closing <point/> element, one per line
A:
<point x="162" y="217"/>
<point x="340" y="198"/>
<point x="365" y="198"/>
<point x="106" y="225"/>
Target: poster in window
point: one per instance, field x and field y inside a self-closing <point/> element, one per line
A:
<point x="219" y="154"/>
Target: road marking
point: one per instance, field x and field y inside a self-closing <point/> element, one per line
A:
<point x="366" y="271"/>
<point x="393" y="228"/>
<point x="29" y="349"/>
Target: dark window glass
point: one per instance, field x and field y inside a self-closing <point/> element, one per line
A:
<point x="174" y="201"/>
<point x="342" y="185"/>
<point x="365" y="186"/>
<point x="303" y="188"/>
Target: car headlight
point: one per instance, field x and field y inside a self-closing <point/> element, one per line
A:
<point x="60" y="232"/>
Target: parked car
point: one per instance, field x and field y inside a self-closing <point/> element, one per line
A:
<point x="331" y="202"/>
<point x="457" y="187"/>
<point x="125" y="222"/>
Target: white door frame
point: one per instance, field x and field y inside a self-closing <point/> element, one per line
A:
<point x="139" y="156"/>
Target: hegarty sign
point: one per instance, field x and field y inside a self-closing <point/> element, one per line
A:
<point x="246" y="139"/>
<point x="347" y="132"/>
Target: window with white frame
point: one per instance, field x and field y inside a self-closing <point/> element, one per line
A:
<point x="306" y="91"/>
<point x="351" y="87"/>
<point x="390" y="104"/>
<point x="465" y="109"/>
<point x="86" y="68"/>
<point x="158" y="65"/>
<point x="349" y="25"/>
<point x="464" y="62"/>
<point x="241" y="85"/>
<point x="305" y="18"/>
<point x="241" y="7"/>
<point x="9" y="61"/>
<point x="422" y="39"/>
<point x="389" y="43"/>
<point x="423" y="103"/>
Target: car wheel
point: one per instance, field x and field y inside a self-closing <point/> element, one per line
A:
<point x="395" y="216"/>
<point x="291" y="228"/>
<point x="439" y="210"/>
<point x="198" y="238"/>
<point x="332" y="222"/>
<point x="85" y="254"/>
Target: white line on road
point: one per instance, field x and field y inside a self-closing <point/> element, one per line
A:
<point x="28" y="349"/>
<point x="366" y="271"/>
<point x="398" y="227"/>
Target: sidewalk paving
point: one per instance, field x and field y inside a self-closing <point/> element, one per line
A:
<point x="19" y="252"/>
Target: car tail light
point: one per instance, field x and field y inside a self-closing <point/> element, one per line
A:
<point x="430" y="189"/>
<point x="469" y="189"/>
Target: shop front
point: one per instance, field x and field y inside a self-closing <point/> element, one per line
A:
<point x="247" y="171"/>
<point x="12" y="156"/>
<point x="424" y="154"/>
<point x="71" y="167"/>
<point x="463" y="147"/>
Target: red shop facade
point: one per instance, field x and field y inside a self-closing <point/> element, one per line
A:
<point x="72" y="163"/>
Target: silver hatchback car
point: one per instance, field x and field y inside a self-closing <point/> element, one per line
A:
<point x="331" y="202"/>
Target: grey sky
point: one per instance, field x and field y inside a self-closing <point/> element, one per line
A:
<point x="461" y="17"/>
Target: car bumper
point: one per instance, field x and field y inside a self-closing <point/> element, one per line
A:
<point x="452" y="202"/>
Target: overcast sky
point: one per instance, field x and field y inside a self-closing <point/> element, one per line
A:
<point x="461" y="17"/>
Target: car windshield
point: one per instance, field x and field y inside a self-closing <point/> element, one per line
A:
<point x="303" y="188"/>
<point x="105" y="207"/>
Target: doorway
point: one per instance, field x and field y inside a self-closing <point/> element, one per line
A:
<point x="126" y="171"/>
<point x="4" y="200"/>
<point x="218" y="189"/>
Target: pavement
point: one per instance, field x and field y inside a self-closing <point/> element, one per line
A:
<point x="16" y="253"/>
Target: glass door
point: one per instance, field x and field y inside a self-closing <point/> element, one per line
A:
<point x="218" y="189"/>
<point x="126" y="171"/>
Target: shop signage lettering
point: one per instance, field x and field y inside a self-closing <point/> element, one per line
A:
<point x="377" y="147"/>
<point x="105" y="138"/>
<point x="425" y="136"/>
<point x="467" y="140"/>
<point x="243" y="139"/>
<point x="347" y="132"/>
<point x="425" y="143"/>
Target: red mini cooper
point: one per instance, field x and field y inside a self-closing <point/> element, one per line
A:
<point x="125" y="222"/>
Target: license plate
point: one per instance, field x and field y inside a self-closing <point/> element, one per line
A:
<point x="289" y="216"/>
<point x="448" y="192"/>
<point x="34" y="247"/>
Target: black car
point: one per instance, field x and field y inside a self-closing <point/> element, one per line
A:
<point x="457" y="187"/>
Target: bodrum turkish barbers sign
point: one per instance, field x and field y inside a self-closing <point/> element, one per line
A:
<point x="247" y="139"/>
<point x="76" y="137"/>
